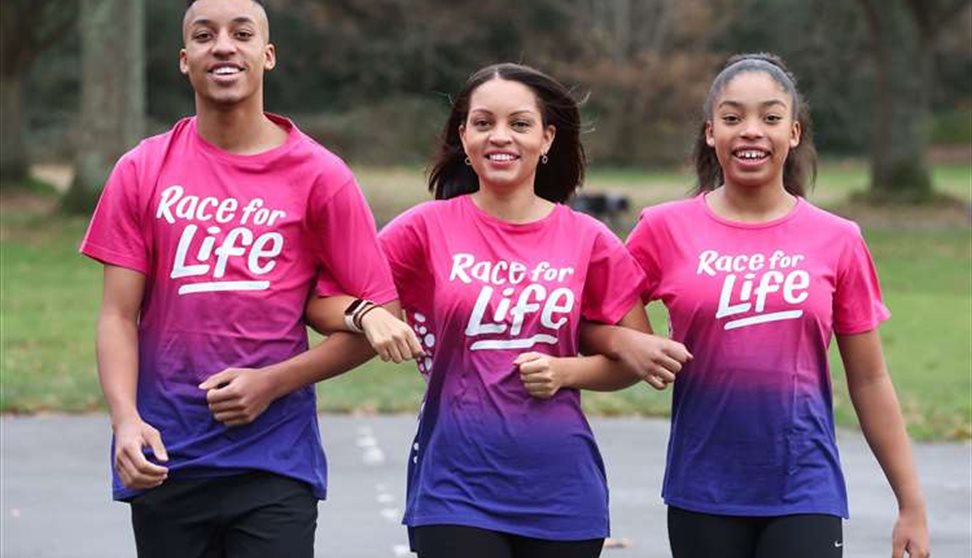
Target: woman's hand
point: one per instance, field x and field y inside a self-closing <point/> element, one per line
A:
<point x="390" y="337"/>
<point x="540" y="373"/>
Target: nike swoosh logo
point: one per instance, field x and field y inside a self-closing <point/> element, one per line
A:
<point x="838" y="544"/>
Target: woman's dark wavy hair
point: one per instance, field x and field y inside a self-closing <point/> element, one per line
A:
<point x="557" y="180"/>
<point x="800" y="168"/>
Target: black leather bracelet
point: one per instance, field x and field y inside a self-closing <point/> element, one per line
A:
<point x="361" y="314"/>
<point x="351" y="312"/>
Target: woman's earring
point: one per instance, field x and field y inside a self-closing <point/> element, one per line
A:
<point x="544" y="159"/>
<point x="468" y="162"/>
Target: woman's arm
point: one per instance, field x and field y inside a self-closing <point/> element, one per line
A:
<point x="654" y="359"/>
<point x="544" y="375"/>
<point x="389" y="336"/>
<point x="874" y="399"/>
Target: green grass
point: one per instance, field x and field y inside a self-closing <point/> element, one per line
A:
<point x="927" y="283"/>
<point x="49" y="297"/>
<point x="49" y="300"/>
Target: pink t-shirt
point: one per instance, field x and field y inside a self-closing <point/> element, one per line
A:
<point x="757" y="304"/>
<point x="231" y="246"/>
<point x="480" y="291"/>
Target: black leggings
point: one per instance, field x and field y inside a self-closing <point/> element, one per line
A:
<point x="452" y="541"/>
<point x="700" y="535"/>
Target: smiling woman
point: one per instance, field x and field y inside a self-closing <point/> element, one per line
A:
<point x="505" y="136"/>
<point x="516" y="274"/>
<point x="540" y="118"/>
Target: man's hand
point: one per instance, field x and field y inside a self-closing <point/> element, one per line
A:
<point x="137" y="472"/>
<point x="237" y="396"/>
<point x="655" y="359"/>
<point x="390" y="337"/>
<point x="540" y="374"/>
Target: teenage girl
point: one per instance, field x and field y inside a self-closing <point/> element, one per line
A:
<point x="757" y="281"/>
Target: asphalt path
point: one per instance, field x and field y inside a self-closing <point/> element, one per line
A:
<point x="55" y="497"/>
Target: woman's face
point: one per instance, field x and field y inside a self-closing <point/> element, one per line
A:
<point x="504" y="135"/>
<point x="752" y="130"/>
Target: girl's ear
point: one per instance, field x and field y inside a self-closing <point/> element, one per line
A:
<point x="795" y="132"/>
<point x="709" y="138"/>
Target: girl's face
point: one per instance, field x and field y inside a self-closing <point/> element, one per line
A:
<point x="504" y="136"/>
<point x="752" y="130"/>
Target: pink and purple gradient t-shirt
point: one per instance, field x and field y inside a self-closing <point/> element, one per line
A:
<point x="479" y="291"/>
<point x="230" y="246"/>
<point x="757" y="304"/>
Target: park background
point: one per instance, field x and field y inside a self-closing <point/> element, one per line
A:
<point x="889" y="83"/>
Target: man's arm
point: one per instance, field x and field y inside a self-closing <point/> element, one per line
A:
<point x="117" y="346"/>
<point x="238" y="396"/>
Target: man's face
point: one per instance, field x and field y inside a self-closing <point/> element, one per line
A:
<point x="227" y="49"/>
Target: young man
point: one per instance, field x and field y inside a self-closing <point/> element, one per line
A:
<point x="212" y="236"/>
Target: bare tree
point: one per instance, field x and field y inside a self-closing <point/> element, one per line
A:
<point x="903" y="34"/>
<point x="112" y="93"/>
<point x="27" y="28"/>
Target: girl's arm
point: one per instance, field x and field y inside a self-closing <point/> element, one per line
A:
<point x="544" y="375"/>
<point x="874" y="399"/>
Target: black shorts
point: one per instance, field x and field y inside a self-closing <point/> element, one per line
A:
<point x="454" y="541"/>
<point x="241" y="516"/>
<point x="702" y="535"/>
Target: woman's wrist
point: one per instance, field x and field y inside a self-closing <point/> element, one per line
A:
<point x="564" y="371"/>
<point x="372" y="316"/>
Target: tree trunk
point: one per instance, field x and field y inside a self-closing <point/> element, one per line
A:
<point x="901" y="118"/>
<point x="112" y="93"/>
<point x="13" y="152"/>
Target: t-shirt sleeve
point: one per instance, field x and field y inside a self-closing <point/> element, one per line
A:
<point x="403" y="245"/>
<point x="643" y="246"/>
<point x="115" y="235"/>
<point x="350" y="260"/>
<point x="613" y="280"/>
<point x="857" y="301"/>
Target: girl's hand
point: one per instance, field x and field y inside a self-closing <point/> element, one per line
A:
<point x="911" y="535"/>
<point x="656" y="360"/>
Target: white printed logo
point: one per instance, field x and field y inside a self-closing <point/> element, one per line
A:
<point x="751" y="280"/>
<point x="211" y="260"/>
<point x="504" y="325"/>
